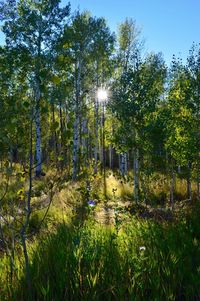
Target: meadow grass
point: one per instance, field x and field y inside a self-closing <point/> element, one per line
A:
<point x="140" y="260"/>
<point x="74" y="257"/>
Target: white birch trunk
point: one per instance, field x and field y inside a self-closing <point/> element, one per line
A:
<point x="123" y="164"/>
<point x="38" y="132"/>
<point x="75" y="147"/>
<point x="102" y="145"/>
<point x="37" y="112"/>
<point x="76" y="124"/>
<point x="136" y="174"/>
<point x="126" y="163"/>
<point x="104" y="151"/>
<point x="110" y="157"/>
<point x="84" y="141"/>
<point x="96" y="143"/>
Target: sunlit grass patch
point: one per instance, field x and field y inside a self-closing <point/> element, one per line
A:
<point x="118" y="188"/>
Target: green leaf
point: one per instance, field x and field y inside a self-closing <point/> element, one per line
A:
<point x="60" y="158"/>
<point x="56" y="80"/>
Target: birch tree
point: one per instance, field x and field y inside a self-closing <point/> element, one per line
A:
<point x="85" y="41"/>
<point x="181" y="141"/>
<point x="34" y="26"/>
<point x="135" y="97"/>
<point x="128" y="40"/>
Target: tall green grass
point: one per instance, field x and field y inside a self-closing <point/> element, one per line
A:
<point x="143" y="260"/>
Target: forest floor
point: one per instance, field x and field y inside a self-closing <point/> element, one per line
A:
<point x="117" y="206"/>
<point x="105" y="247"/>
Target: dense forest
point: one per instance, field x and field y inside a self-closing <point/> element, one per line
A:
<point x="99" y="161"/>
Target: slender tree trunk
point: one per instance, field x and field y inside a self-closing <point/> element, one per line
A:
<point x="68" y="146"/>
<point x="76" y="123"/>
<point x="111" y="157"/>
<point x="37" y="91"/>
<point x="84" y="141"/>
<point x="126" y="163"/>
<point x="55" y="140"/>
<point x="143" y="179"/>
<point x="104" y="150"/>
<point x="27" y="266"/>
<point x="28" y="213"/>
<point x="63" y="155"/>
<point x="189" y="187"/>
<point x="172" y="186"/>
<point x="122" y="164"/>
<point x="75" y="147"/>
<point x="136" y="174"/>
<point x="12" y="255"/>
<point x="61" y="125"/>
<point x="38" y="131"/>
<point x="96" y="142"/>
<point x="197" y="181"/>
<point x="102" y="137"/>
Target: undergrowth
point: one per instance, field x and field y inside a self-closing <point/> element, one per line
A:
<point x="73" y="257"/>
<point x="141" y="260"/>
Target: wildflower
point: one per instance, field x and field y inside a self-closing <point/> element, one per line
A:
<point x="142" y="248"/>
<point x="91" y="203"/>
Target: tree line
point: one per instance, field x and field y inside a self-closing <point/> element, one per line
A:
<point x="52" y="65"/>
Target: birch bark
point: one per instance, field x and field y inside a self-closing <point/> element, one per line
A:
<point x="38" y="168"/>
<point x="136" y="174"/>
<point x="76" y="123"/>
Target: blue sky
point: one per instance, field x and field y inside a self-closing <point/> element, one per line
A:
<point x="169" y="26"/>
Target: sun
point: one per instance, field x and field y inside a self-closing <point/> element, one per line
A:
<point x="102" y="95"/>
